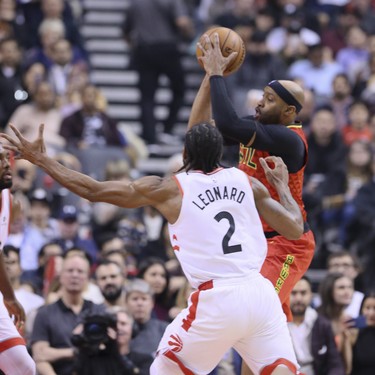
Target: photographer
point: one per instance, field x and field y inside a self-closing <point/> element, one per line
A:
<point x="137" y="363"/>
<point x="96" y="346"/>
<point x="102" y="343"/>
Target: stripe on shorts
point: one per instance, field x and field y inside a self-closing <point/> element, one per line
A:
<point x="267" y="370"/>
<point x="187" y="322"/>
<point x="170" y="355"/>
<point x="9" y="343"/>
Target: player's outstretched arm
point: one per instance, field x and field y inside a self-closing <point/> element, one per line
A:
<point x="285" y="217"/>
<point x="201" y="108"/>
<point x="145" y="191"/>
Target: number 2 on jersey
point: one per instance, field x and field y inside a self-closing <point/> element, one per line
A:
<point x="228" y="249"/>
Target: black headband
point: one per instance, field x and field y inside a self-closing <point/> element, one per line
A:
<point x="284" y="94"/>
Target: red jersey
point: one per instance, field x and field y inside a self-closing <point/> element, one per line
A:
<point x="249" y="163"/>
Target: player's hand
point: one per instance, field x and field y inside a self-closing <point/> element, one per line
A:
<point x="16" y="310"/>
<point x="275" y="170"/>
<point x="212" y="59"/>
<point x="22" y="148"/>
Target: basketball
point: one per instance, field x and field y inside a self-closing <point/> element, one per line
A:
<point x="230" y="42"/>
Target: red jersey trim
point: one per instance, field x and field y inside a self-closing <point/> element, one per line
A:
<point x="179" y="185"/>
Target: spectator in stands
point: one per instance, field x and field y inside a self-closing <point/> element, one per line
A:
<point x="327" y="153"/>
<point x="51" y="337"/>
<point x="355" y="54"/>
<point x="40" y="278"/>
<point x="29" y="301"/>
<point x="358" y="126"/>
<point x="334" y="32"/>
<point x="50" y="31"/>
<point x="110" y="280"/>
<point x="362" y="340"/>
<point x="312" y="335"/>
<point x="113" y="243"/>
<point x="240" y="13"/>
<point x="365" y="84"/>
<point x="28" y="239"/>
<point x="153" y="271"/>
<point x="24" y="176"/>
<point x="361" y="230"/>
<point x="341" y="99"/>
<point x="66" y="76"/>
<point x="148" y="331"/>
<point x="42" y="110"/>
<point x="12" y="93"/>
<point x="137" y="363"/>
<point x="38" y="11"/>
<point x="155" y="52"/>
<point x="340" y="188"/>
<point x="40" y="214"/>
<point x="70" y="236"/>
<point x="89" y="127"/>
<point x="293" y="37"/>
<point x="33" y="75"/>
<point x="316" y="73"/>
<point x="336" y="293"/>
<point x="119" y="257"/>
<point x="348" y="264"/>
<point x="12" y="24"/>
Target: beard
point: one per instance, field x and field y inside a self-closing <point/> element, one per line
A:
<point x="112" y="293"/>
<point x="5" y="184"/>
<point x="298" y="310"/>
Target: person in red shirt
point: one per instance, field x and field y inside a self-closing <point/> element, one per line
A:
<point x="272" y="131"/>
<point x="358" y="127"/>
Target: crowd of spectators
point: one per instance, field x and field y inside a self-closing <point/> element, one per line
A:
<point x="65" y="256"/>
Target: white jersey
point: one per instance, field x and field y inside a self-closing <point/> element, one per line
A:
<point x="4" y="216"/>
<point x="218" y="233"/>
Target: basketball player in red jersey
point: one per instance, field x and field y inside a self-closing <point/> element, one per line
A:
<point x="272" y="131"/>
<point x="14" y="358"/>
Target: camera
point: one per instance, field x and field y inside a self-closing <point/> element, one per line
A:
<point x="98" y="353"/>
<point x="94" y="336"/>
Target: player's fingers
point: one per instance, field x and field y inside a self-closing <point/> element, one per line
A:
<point x="8" y="138"/>
<point x="231" y="57"/>
<point x="16" y="131"/>
<point x="10" y="147"/>
<point x="41" y="130"/>
<point x="207" y="43"/>
<point x="264" y="164"/>
<point x="216" y="41"/>
<point x="199" y="45"/>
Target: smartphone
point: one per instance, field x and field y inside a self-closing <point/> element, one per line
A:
<point x="359" y="322"/>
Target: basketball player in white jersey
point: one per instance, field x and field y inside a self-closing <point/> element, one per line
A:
<point x="217" y="236"/>
<point x="14" y="358"/>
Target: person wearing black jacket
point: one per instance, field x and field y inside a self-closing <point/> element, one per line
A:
<point x="312" y="335"/>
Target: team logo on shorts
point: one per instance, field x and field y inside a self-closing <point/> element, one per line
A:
<point x="175" y="342"/>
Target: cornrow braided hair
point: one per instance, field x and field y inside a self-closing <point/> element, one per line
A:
<point x="203" y="148"/>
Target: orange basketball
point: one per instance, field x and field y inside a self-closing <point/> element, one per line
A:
<point x="230" y="42"/>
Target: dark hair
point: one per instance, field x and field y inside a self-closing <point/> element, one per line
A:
<point x="10" y="248"/>
<point x="42" y="250"/>
<point x="107" y="262"/>
<point x="203" y="148"/>
<point x="307" y="279"/>
<point x="144" y="265"/>
<point x="369" y="294"/>
<point x="344" y="253"/>
<point x="329" y="308"/>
